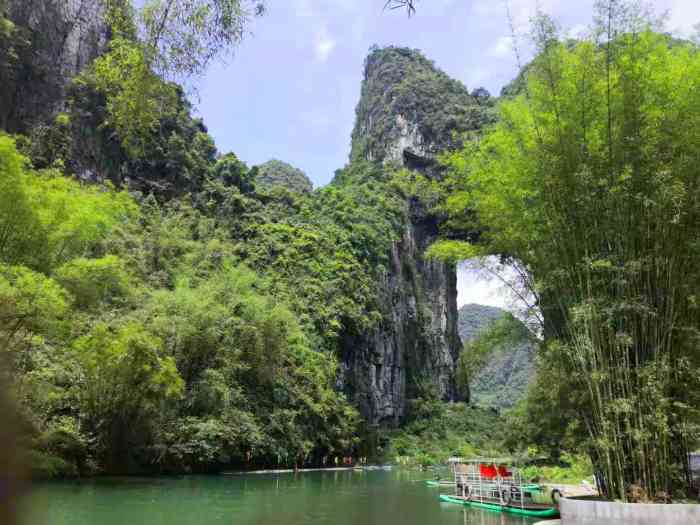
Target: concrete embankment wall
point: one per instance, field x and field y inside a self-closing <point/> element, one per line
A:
<point x="583" y="511"/>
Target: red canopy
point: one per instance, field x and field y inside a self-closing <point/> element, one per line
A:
<point x="504" y="472"/>
<point x="487" y="471"/>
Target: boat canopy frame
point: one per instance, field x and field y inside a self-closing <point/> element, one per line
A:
<point x="494" y="482"/>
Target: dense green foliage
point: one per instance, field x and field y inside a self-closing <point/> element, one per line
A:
<point x="142" y="344"/>
<point x="589" y="180"/>
<point x="138" y="339"/>
<point x="277" y="173"/>
<point x="474" y="318"/>
<point x="437" y="430"/>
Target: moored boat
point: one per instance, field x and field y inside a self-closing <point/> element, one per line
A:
<point x="491" y="484"/>
<point x="535" y="513"/>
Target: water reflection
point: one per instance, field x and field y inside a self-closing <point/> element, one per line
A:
<point x="338" y="498"/>
<point x="485" y="517"/>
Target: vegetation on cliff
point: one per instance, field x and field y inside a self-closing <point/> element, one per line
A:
<point x="139" y="341"/>
<point x="497" y="361"/>
<point x="193" y="322"/>
<point x="404" y="93"/>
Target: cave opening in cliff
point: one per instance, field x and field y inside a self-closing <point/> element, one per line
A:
<point x="501" y="283"/>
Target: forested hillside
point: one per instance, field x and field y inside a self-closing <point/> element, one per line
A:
<point x="277" y="173"/>
<point x="508" y="364"/>
<point x="166" y="308"/>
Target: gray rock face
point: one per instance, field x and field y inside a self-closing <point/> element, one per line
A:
<point x="55" y="40"/>
<point x="415" y="347"/>
<point x="414" y="350"/>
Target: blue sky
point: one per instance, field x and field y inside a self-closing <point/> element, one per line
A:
<point x="290" y="89"/>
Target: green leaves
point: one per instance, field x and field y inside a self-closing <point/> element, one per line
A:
<point x="29" y="303"/>
<point x="186" y="36"/>
<point x="93" y="281"/>
<point x="46" y="219"/>
<point x="135" y="94"/>
<point x="453" y="251"/>
<point x="125" y="372"/>
<point x="586" y="179"/>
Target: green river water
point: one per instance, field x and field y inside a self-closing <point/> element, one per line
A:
<point x="359" y="498"/>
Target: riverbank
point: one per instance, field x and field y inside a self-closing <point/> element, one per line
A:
<point x="293" y="471"/>
<point x="442" y="430"/>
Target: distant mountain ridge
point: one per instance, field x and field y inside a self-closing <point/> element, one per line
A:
<point x="473" y="318"/>
<point x="504" y="379"/>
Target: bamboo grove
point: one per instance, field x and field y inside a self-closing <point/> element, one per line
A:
<point x="590" y="180"/>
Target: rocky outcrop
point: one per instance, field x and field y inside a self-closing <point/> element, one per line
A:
<point x="409" y="106"/>
<point x="413" y="351"/>
<point x="409" y="111"/>
<point x="52" y="41"/>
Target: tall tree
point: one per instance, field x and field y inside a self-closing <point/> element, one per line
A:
<point x="185" y="36"/>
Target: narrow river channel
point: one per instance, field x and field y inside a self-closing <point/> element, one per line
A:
<point x="358" y="498"/>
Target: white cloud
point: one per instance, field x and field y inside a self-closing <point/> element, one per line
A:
<point x="502" y="48"/>
<point x="476" y="285"/>
<point x="323" y="45"/>
<point x="683" y="15"/>
<point x="577" y="31"/>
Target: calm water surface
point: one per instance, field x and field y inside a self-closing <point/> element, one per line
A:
<point x="358" y="498"/>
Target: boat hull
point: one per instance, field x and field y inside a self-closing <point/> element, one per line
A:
<point x="536" y="513"/>
<point x="436" y="483"/>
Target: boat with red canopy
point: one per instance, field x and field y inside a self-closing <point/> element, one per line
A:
<point x="492" y="484"/>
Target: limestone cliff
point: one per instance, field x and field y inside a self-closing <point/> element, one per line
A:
<point x="409" y="108"/>
<point x="408" y="112"/>
<point x="53" y="40"/>
<point x="50" y="43"/>
<point x="415" y="347"/>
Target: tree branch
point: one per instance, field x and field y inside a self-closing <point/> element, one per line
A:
<point x="409" y="5"/>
